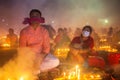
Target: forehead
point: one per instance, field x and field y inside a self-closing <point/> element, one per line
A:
<point x="87" y="29"/>
<point x="11" y="30"/>
<point x="35" y="14"/>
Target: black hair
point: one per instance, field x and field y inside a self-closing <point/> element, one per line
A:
<point x="11" y="29"/>
<point x="60" y="29"/>
<point x="35" y="10"/>
<point x="88" y="26"/>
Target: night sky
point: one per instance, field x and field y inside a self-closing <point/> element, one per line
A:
<point x="60" y="13"/>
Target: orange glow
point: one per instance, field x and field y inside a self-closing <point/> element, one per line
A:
<point x="61" y="52"/>
<point x="22" y="78"/>
<point x="5" y="45"/>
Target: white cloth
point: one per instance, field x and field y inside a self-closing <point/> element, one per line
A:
<point x="49" y="62"/>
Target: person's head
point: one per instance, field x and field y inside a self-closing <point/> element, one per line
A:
<point x="86" y="31"/>
<point x="78" y="30"/>
<point x="36" y="17"/>
<point x="11" y="31"/>
<point x="35" y="13"/>
<point x="60" y="31"/>
<point x="110" y="29"/>
<point x="65" y="30"/>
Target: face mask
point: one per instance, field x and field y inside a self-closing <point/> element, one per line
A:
<point x="40" y="20"/>
<point x="30" y="20"/>
<point x="85" y="33"/>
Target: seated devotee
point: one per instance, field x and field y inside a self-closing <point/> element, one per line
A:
<point x="81" y="47"/>
<point x="61" y="40"/>
<point x="12" y="38"/>
<point x="36" y="37"/>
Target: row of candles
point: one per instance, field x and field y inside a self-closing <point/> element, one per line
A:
<point x="62" y="52"/>
<point x="108" y="48"/>
<point x="71" y="75"/>
<point x="77" y="74"/>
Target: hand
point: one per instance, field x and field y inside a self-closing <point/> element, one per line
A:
<point x="74" y="51"/>
<point x="76" y="54"/>
<point x="77" y="46"/>
<point x="83" y="51"/>
<point x="43" y="55"/>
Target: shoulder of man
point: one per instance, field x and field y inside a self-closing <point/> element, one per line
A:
<point x="43" y="29"/>
<point x="24" y="30"/>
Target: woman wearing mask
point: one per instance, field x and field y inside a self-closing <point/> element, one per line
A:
<point x="81" y="46"/>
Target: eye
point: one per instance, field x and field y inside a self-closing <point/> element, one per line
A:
<point x="35" y="15"/>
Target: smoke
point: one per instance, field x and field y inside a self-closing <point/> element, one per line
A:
<point x="19" y="68"/>
<point x="72" y="13"/>
<point x="65" y="13"/>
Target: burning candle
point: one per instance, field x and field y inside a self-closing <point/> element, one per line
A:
<point x="69" y="76"/>
<point x="21" y="78"/>
<point x="78" y="74"/>
<point x="8" y="78"/>
<point x="64" y="74"/>
<point x="77" y="67"/>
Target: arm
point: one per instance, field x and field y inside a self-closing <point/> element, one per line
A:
<point x="75" y="53"/>
<point x="76" y="49"/>
<point x="46" y="43"/>
<point x="57" y="39"/>
<point x="74" y="46"/>
<point x="90" y="43"/>
<point x="22" y="39"/>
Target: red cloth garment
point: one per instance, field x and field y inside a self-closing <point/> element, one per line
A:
<point x="57" y="39"/>
<point x="95" y="61"/>
<point x="29" y="20"/>
<point x="114" y="58"/>
<point x="88" y="43"/>
<point x="38" y="40"/>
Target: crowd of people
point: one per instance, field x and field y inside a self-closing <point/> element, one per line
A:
<point x="43" y="40"/>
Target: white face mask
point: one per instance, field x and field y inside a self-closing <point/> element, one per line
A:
<point x="85" y="33"/>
